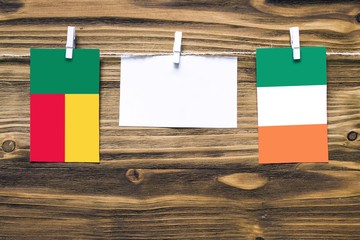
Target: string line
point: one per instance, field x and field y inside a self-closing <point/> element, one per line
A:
<point x="129" y="54"/>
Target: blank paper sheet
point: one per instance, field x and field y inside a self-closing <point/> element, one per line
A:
<point x="200" y="92"/>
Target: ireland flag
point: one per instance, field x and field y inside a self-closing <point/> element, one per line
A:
<point x="292" y="116"/>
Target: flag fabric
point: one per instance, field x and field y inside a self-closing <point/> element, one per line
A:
<point x="64" y="105"/>
<point x="292" y="107"/>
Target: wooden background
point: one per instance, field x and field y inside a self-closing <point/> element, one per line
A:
<point x="180" y="183"/>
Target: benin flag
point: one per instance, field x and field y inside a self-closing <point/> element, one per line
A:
<point x="292" y="115"/>
<point x="64" y="105"/>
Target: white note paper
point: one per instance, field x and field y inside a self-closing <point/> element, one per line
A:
<point x="200" y="92"/>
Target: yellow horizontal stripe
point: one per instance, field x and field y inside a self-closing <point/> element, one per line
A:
<point x="82" y="128"/>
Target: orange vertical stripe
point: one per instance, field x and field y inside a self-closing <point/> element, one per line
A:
<point x="286" y="144"/>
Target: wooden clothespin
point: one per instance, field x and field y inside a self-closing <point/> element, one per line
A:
<point x="177" y="47"/>
<point x="70" y="42"/>
<point x="295" y="42"/>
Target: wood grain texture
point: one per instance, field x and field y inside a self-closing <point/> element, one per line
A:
<point x="165" y="183"/>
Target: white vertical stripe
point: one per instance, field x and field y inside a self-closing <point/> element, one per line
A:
<point x="292" y="105"/>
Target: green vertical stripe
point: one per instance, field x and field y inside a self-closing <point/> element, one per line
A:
<point x="276" y="67"/>
<point x="52" y="73"/>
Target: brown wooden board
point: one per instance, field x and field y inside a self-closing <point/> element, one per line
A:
<point x="166" y="183"/>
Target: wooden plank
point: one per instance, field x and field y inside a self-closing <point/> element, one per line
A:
<point x="188" y="147"/>
<point x="143" y="26"/>
<point x="180" y="183"/>
<point x="90" y="201"/>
